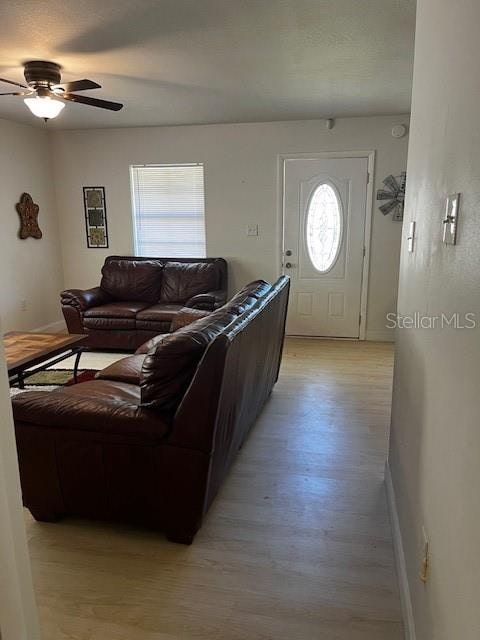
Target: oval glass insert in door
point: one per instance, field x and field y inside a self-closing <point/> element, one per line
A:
<point x="324" y="227"/>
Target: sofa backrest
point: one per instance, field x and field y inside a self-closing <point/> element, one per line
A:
<point x="139" y="280"/>
<point x="180" y="278"/>
<point x="170" y="365"/>
<point x="248" y="296"/>
<point x="232" y="382"/>
<point x="181" y="281"/>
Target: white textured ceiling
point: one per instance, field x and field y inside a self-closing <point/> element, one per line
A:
<point x="203" y="61"/>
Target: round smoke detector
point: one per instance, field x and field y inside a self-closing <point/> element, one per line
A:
<point x="399" y="130"/>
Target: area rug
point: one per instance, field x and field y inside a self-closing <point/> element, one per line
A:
<point x="51" y="379"/>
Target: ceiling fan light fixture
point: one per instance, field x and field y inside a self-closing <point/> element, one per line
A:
<point x="44" y="85"/>
<point x="44" y="106"/>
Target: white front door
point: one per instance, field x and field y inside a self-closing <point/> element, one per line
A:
<point x="324" y="206"/>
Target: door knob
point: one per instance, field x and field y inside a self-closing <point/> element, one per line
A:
<point x="288" y="252"/>
<point x="288" y="265"/>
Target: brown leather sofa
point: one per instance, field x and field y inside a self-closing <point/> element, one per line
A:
<point x="138" y="298"/>
<point x="152" y="438"/>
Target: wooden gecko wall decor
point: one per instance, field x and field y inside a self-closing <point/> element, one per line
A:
<point x="28" y="212"/>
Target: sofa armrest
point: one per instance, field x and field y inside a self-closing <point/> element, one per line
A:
<point x="84" y="299"/>
<point x="208" y="301"/>
<point x="127" y="370"/>
<point x="100" y="408"/>
<point x="149" y="344"/>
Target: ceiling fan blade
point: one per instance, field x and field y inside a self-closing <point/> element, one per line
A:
<point x="77" y="85"/>
<point x="17" y="84"/>
<point x="16" y="93"/>
<point x="93" y="102"/>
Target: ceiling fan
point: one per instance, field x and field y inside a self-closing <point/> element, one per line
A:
<point x="44" y="88"/>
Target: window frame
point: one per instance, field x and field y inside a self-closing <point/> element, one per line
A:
<point x="132" y="168"/>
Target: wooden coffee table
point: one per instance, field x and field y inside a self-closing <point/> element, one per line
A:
<point x="28" y="353"/>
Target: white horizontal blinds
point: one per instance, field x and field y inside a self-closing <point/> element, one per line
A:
<point x="169" y="210"/>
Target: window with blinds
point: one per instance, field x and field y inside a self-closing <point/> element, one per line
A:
<point x="169" y="210"/>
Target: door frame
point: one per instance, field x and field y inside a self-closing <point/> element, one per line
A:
<point x="325" y="155"/>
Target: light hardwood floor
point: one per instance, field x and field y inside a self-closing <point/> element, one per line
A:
<point x="297" y="546"/>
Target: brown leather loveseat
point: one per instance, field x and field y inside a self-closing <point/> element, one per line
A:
<point x="138" y="298"/>
<point x="152" y="438"/>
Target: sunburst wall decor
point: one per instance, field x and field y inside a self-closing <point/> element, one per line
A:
<point x="394" y="194"/>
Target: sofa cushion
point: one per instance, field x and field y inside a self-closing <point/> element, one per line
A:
<point x="109" y="324"/>
<point x="132" y="279"/>
<point x="151" y="326"/>
<point x="181" y="281"/>
<point x="115" y="315"/>
<point x="124" y="370"/>
<point x="161" y="312"/>
<point x="169" y="367"/>
<point x="186" y="316"/>
<point x="116" y="310"/>
<point x="157" y="317"/>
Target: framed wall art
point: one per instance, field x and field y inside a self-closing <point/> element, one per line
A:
<point x="95" y="217"/>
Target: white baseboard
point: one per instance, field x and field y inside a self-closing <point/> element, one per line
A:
<point x="406" y="601"/>
<point x="53" y="327"/>
<point x="380" y="336"/>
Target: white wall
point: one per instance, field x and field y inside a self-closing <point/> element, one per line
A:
<point x="30" y="269"/>
<point x="241" y="187"/>
<point x="18" y="615"/>
<point x="435" y="438"/>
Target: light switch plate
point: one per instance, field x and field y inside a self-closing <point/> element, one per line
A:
<point x="411" y="236"/>
<point x="450" y="221"/>
<point x="252" y="229"/>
